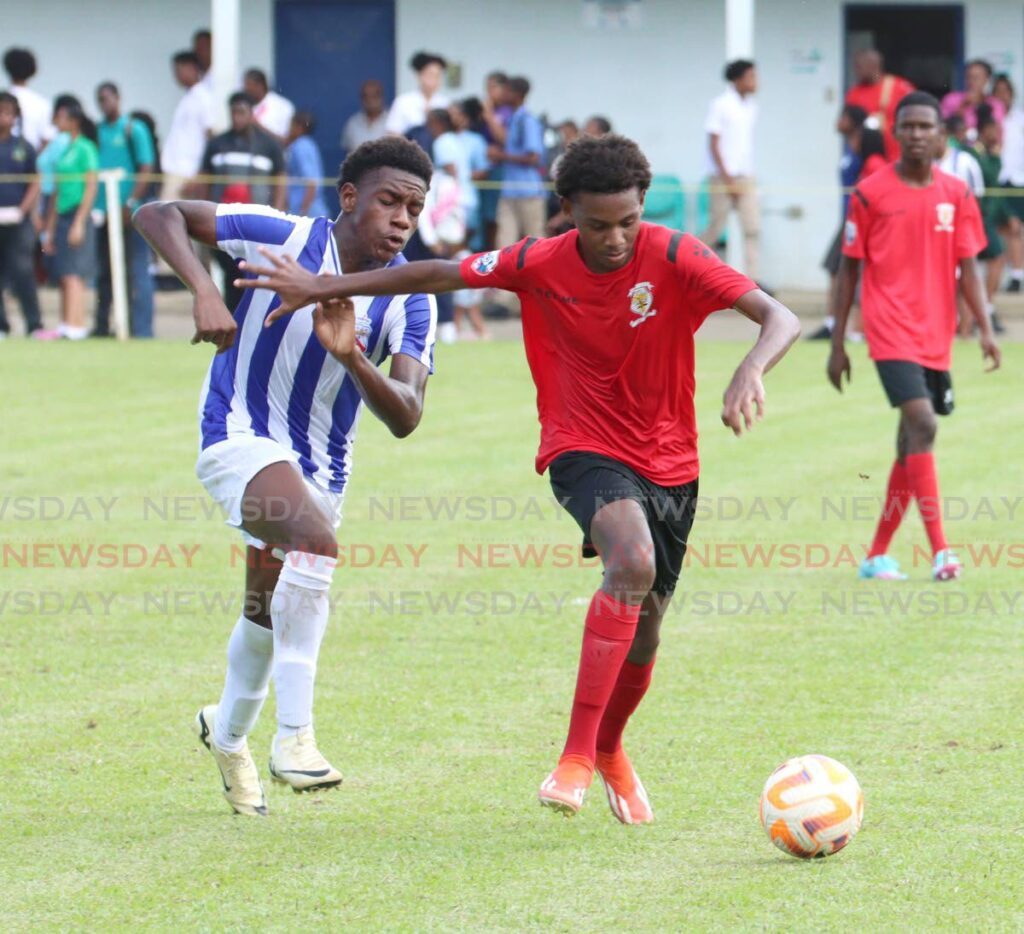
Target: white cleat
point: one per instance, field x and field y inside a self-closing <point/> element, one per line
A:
<point x="296" y="761"/>
<point x="238" y="773"/>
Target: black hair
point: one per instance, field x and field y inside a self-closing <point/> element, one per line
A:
<point x="421" y="59"/>
<point x="954" y="124"/>
<point x="107" y="86"/>
<point x="983" y="122"/>
<point x="186" y="57"/>
<point x="872" y="143"/>
<point x="441" y="116"/>
<point x="857" y="115"/>
<point x="258" y="75"/>
<point x="304" y="119"/>
<point x="66" y="100"/>
<point x="919" y="99"/>
<point x="20" y="64"/>
<point x="981" y="63"/>
<point x="388" y="152"/>
<point x="519" y="86"/>
<point x="1003" y="78"/>
<point x="603" y="123"/>
<point x="472" y="108"/>
<point x="499" y="76"/>
<point x="74" y="110"/>
<point x="602" y="165"/>
<point x="737" y="69"/>
<point x="201" y="34"/>
<point x="6" y="97"/>
<point x="240" y="97"/>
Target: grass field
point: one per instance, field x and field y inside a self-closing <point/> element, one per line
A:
<point x="444" y="687"/>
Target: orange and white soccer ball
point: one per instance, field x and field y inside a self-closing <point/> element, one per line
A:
<point x="811" y="806"/>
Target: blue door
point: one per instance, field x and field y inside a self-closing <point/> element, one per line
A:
<point x="324" y="50"/>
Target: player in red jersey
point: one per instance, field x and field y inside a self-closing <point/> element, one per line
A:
<point x="609" y="314"/>
<point x="912" y="226"/>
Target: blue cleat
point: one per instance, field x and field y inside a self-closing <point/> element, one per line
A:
<point x="881" y="568"/>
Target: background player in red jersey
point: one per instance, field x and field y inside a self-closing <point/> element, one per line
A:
<point x="609" y="314"/>
<point x="912" y="226"/>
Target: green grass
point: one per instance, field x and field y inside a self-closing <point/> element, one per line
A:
<point x="444" y="721"/>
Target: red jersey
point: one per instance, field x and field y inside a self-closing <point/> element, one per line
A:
<point x="880" y="100"/>
<point x="911" y="241"/>
<point x="611" y="354"/>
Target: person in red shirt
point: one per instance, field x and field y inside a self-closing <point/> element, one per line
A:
<point x="609" y="313"/>
<point x="879" y="94"/>
<point x="912" y="227"/>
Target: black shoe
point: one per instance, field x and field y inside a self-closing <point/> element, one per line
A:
<point x="101" y="332"/>
<point x="823" y="333"/>
<point x="1014" y="285"/>
<point x="997" y="323"/>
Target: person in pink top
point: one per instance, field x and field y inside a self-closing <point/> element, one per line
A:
<point x="965" y="103"/>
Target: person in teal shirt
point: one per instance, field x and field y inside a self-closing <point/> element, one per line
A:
<point x="125" y="144"/>
<point x="70" y="234"/>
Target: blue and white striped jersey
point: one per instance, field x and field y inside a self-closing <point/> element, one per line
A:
<point x="279" y="382"/>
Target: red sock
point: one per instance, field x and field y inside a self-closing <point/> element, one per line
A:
<point x="632" y="685"/>
<point x="924" y="481"/>
<point x="607" y="637"/>
<point x="897" y="501"/>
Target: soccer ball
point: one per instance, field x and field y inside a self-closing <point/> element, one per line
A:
<point x="811" y="806"/>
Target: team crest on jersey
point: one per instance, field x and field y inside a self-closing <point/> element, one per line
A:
<point x="485" y="263"/>
<point x="850" y="233"/>
<point x="945" y="213"/>
<point x="641" y="303"/>
<point x="363" y="328"/>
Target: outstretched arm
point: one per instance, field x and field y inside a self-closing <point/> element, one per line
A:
<point x="169" y="226"/>
<point x="779" y="328"/>
<point x="298" y="288"/>
<point x="974" y="293"/>
<point x="846" y="288"/>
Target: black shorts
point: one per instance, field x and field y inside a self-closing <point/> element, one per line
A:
<point x="904" y="381"/>
<point x="584" y="482"/>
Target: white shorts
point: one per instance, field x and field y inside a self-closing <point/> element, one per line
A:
<point x="225" y="469"/>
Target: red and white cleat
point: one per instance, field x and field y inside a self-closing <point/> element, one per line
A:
<point x="627" y="796"/>
<point x="563" y="790"/>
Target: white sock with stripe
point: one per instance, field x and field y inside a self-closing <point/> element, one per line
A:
<point x="299" y="608"/>
<point x="250" y="655"/>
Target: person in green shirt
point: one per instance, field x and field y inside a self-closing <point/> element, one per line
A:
<point x="124" y="144"/>
<point x="70" y="234"/>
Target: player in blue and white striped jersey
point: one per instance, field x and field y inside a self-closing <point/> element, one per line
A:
<point x="278" y="416"/>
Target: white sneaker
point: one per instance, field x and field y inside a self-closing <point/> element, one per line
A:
<point x="295" y="761"/>
<point x="238" y="773"/>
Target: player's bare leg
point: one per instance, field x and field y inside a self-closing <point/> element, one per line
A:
<point x="627" y="796"/>
<point x="622" y="537"/>
<point x="279" y="509"/>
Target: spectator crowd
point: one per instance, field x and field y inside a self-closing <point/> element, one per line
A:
<point x="494" y="159"/>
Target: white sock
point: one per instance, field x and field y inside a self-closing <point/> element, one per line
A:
<point x="299" y="609"/>
<point x="75" y="333"/>
<point x="1017" y="274"/>
<point x="250" y="655"/>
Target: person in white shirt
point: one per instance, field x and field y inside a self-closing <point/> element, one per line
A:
<point x="272" y="111"/>
<point x="1011" y="175"/>
<point x="958" y="162"/>
<point x="191" y="126"/>
<point x="410" y="109"/>
<point x="35" y="125"/>
<point x="370" y="122"/>
<point x="730" y="160"/>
